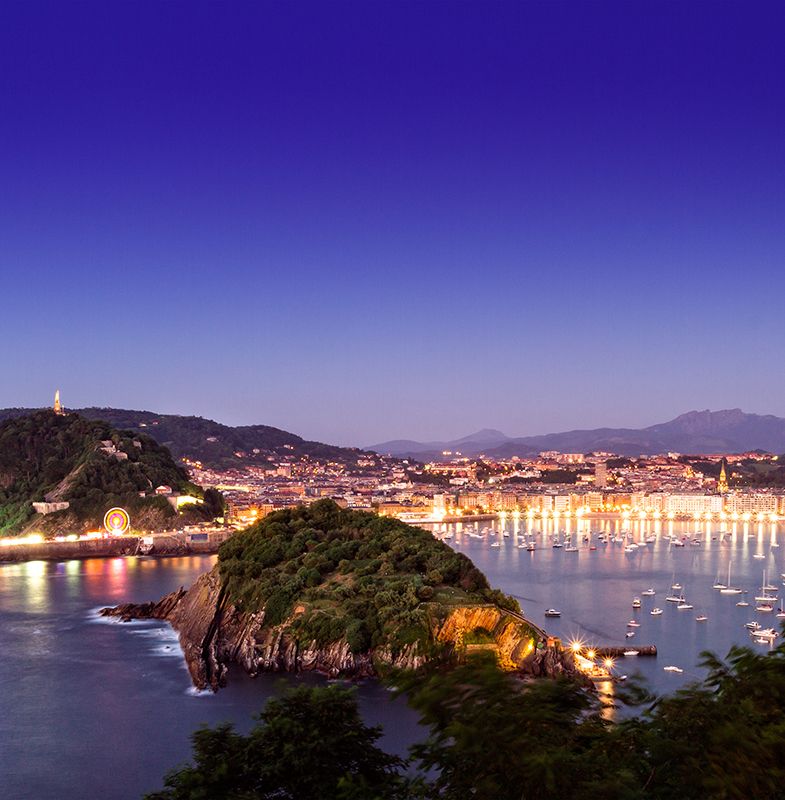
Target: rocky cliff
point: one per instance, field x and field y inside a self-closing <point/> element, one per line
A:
<point x="214" y="634"/>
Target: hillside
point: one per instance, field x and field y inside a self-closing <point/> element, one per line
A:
<point x="345" y="593"/>
<point x="355" y="576"/>
<point x="210" y="442"/>
<point x="44" y="456"/>
<point x="696" y="432"/>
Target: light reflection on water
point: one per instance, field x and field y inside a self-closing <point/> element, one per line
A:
<point x="104" y="710"/>
<point x="90" y="707"/>
<point x="594" y="589"/>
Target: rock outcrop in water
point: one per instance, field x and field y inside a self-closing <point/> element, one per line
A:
<point x="214" y="634"/>
<point x="344" y="593"/>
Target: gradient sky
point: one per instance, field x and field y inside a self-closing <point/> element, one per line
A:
<point x="364" y="221"/>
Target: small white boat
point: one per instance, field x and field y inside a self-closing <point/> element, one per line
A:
<point x="678" y="543"/>
<point x="630" y="653"/>
<point x="648" y="593"/>
<point x="673" y="669"/>
<point x="656" y="612"/>
<point x="629" y="634"/>
<point x="633" y="624"/>
<point x="758" y="555"/>
<point x="685" y="607"/>
<point x="701" y="618"/>
<point x="753" y="626"/>
<point x="676" y="586"/>
<point x="571" y="549"/>
<point x="675" y="598"/>
<point x="552" y="612"/>
<point x="636" y="603"/>
<point x="742" y="604"/>
<point x="764" y="608"/>
<point x="495" y="544"/>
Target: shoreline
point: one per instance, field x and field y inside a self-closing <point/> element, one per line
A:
<point x="163" y="544"/>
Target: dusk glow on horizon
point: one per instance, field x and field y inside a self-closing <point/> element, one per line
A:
<point x="361" y="222"/>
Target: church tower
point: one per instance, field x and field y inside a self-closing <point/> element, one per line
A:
<point x="58" y="408"/>
<point x="722" y="483"/>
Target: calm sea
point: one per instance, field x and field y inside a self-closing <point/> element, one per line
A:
<point x="594" y="589"/>
<point x="95" y="709"/>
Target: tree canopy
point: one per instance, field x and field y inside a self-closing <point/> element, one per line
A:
<point x="490" y="736"/>
<point x="372" y="580"/>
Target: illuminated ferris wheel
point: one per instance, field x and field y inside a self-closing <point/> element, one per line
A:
<point x="116" y="521"/>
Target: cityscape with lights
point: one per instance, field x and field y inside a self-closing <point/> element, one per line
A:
<point x="389" y="401"/>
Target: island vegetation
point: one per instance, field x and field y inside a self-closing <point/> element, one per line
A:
<point x="489" y="736"/>
<point x="92" y="467"/>
<point x="341" y="574"/>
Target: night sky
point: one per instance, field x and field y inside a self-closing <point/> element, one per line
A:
<point x="387" y="219"/>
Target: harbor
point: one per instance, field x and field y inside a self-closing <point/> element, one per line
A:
<point x="647" y="595"/>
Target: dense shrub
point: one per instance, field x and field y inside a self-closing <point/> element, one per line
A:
<point x="369" y="579"/>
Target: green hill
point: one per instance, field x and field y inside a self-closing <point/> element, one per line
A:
<point x="211" y="442"/>
<point x="87" y="463"/>
<point x="341" y="574"/>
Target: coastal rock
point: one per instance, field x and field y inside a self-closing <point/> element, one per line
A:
<point x="214" y="634"/>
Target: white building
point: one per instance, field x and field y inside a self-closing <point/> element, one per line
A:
<point x="693" y="504"/>
<point x="751" y="504"/>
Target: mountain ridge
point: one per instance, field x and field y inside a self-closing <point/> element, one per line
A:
<point x="208" y="441"/>
<point x="696" y="432"/>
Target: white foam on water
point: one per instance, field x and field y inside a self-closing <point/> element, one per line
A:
<point x="192" y="691"/>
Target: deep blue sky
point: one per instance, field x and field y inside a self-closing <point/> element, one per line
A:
<point x="375" y="220"/>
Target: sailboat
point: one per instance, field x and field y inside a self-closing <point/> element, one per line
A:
<point x="684" y="605"/>
<point x="729" y="589"/>
<point x="718" y="584"/>
<point x="765" y="596"/>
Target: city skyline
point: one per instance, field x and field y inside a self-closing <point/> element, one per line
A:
<point x="534" y="218"/>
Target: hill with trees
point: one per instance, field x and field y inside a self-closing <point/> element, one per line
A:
<point x="91" y="466"/>
<point x="210" y="442"/>
<point x="370" y="580"/>
<point x="490" y="736"/>
<point x="346" y="593"/>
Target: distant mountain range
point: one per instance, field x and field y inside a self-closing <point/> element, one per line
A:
<point x="207" y="441"/>
<point x="696" y="432"/>
<point x="212" y="443"/>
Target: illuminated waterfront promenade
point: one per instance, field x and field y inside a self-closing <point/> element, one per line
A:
<point x="35" y="547"/>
